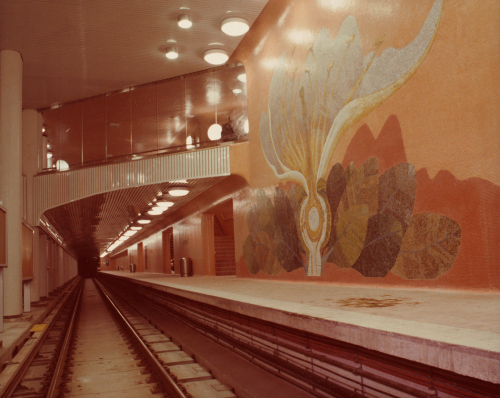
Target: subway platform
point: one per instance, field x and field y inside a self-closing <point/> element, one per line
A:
<point x="450" y="330"/>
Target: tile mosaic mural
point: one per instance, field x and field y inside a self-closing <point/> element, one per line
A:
<point x="353" y="217"/>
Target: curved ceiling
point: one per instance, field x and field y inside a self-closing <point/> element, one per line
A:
<point x="88" y="226"/>
<point x="74" y="49"/>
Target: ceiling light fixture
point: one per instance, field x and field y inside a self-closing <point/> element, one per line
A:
<point x="237" y="91"/>
<point x="135" y="228"/>
<point x="165" y="204"/>
<point x="159" y="208"/>
<point x="215" y="130"/>
<point x="184" y="21"/>
<point x="49" y="154"/>
<point x="144" y="221"/>
<point x="130" y="233"/>
<point x="178" y="191"/>
<point x="235" y="26"/>
<point x="155" y="213"/>
<point x="172" y="53"/>
<point x="216" y="56"/>
<point x="242" y="78"/>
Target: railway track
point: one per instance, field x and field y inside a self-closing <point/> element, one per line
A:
<point x="93" y="344"/>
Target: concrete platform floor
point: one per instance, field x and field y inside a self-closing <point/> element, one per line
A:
<point x="456" y="331"/>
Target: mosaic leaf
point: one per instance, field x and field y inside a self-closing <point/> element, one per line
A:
<point x="351" y="228"/>
<point x="264" y="254"/>
<point x="362" y="187"/>
<point x="283" y="210"/>
<point x="287" y="251"/>
<point x="429" y="248"/>
<point x="249" y="256"/>
<point x="383" y="242"/>
<point x="253" y="221"/>
<point x="261" y="215"/>
<point x="397" y="190"/>
<point x="286" y="239"/>
<point x="335" y="187"/>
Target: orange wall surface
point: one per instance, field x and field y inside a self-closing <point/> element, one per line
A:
<point x="443" y="122"/>
<point x="407" y="194"/>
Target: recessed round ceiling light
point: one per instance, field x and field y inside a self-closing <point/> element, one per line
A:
<point x="216" y="56"/>
<point x="144" y="221"/>
<point x="136" y="228"/>
<point x="214" y="132"/>
<point x="235" y="26"/>
<point x="155" y="212"/>
<point x="242" y="77"/>
<point x="237" y="91"/>
<point x="178" y="191"/>
<point x="172" y="53"/>
<point x="165" y="204"/>
<point x="159" y="208"/>
<point x="184" y="21"/>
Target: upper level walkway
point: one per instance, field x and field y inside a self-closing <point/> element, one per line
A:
<point x="58" y="188"/>
<point x="455" y="331"/>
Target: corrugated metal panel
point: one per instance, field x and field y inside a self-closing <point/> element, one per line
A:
<point x="56" y="189"/>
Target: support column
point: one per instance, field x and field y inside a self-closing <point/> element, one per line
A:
<point x="32" y="148"/>
<point x="11" y="190"/>
<point x="43" y="281"/>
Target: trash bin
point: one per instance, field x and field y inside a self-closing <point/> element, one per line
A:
<point x="186" y="267"/>
<point x="132" y="267"/>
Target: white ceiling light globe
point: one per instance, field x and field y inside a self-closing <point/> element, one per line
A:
<point x="214" y="132"/>
<point x="216" y="56"/>
<point x="144" y="221"/>
<point x="172" y="53"/>
<point x="184" y="21"/>
<point x="246" y="127"/>
<point x="242" y="77"/>
<point x="136" y="228"/>
<point x="62" y="165"/>
<point x="235" y="26"/>
<point x="237" y="91"/>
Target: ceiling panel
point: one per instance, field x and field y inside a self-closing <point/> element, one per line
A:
<point x="75" y="49"/>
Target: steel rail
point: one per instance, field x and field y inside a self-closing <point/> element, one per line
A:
<point x="159" y="367"/>
<point x="64" y="349"/>
<point x="18" y="376"/>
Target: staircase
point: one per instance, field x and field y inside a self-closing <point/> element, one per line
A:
<point x="224" y="251"/>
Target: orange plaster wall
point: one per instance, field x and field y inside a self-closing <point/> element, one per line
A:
<point x="448" y="112"/>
